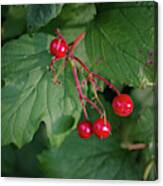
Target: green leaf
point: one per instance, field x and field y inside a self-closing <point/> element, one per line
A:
<point x="143" y="129"/>
<point x="90" y="159"/>
<point x="15" y="22"/>
<point x="30" y="96"/>
<point x="77" y="14"/>
<point x="40" y="15"/>
<point x="119" y="41"/>
<point x="23" y="162"/>
<point x="8" y="160"/>
<point x="140" y="126"/>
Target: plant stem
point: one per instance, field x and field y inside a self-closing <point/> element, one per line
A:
<point x="135" y="146"/>
<point x="81" y="95"/>
<point x="76" y="42"/>
<point x="97" y="98"/>
<point x="96" y="75"/>
<point x="74" y="70"/>
<point x="96" y="85"/>
<point x="57" y="32"/>
<point x="107" y="83"/>
<point x="81" y="63"/>
<point x="53" y="61"/>
<point x="93" y="104"/>
<point x="148" y="168"/>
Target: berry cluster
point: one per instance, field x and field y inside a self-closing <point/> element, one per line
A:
<point x="122" y="104"/>
<point x="100" y="128"/>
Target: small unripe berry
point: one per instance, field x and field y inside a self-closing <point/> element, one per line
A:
<point x="123" y="105"/>
<point x="58" y="48"/>
<point x="84" y="129"/>
<point x="101" y="128"/>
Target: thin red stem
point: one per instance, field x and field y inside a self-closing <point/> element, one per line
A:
<point x="96" y="75"/>
<point x="54" y="60"/>
<point x="93" y="104"/>
<point x="57" y="32"/>
<point x="76" y="42"/>
<point x="96" y="85"/>
<point x="106" y="82"/>
<point x="81" y="95"/>
<point x="81" y="63"/>
<point x="79" y="91"/>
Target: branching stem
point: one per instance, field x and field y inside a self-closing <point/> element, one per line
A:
<point x="81" y="95"/>
<point x="91" y="76"/>
<point x="96" y="75"/>
<point x="107" y="83"/>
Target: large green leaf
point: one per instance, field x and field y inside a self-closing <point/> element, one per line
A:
<point x="119" y="43"/>
<point x="40" y="15"/>
<point x="90" y="159"/>
<point x="30" y="96"/>
<point x="14" y="22"/>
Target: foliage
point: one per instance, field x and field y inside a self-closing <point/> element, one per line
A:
<point x="119" y="45"/>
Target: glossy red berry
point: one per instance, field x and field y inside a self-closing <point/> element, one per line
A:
<point x="101" y="129"/>
<point x="84" y="129"/>
<point x="58" y="48"/>
<point x="123" y="105"/>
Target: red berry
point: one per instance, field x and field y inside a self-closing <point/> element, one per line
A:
<point x="123" y="105"/>
<point x="85" y="129"/>
<point x="58" y="48"/>
<point x="101" y="129"/>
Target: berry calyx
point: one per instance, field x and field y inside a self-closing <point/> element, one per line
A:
<point x="58" y="48"/>
<point x="123" y="105"/>
<point x="84" y="129"/>
<point x="101" y="128"/>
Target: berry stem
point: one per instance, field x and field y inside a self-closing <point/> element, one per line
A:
<point x="107" y="83"/>
<point x="78" y="86"/>
<point x="76" y="42"/>
<point x="57" y="32"/>
<point x="54" y="60"/>
<point x="96" y="85"/>
<point x="96" y="75"/>
<point x="81" y="63"/>
<point x="96" y="96"/>
<point x="81" y="95"/>
<point x="93" y="104"/>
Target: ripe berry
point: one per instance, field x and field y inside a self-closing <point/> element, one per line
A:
<point x="123" y="105"/>
<point x="85" y="129"/>
<point x="101" y="129"/>
<point x="58" y="48"/>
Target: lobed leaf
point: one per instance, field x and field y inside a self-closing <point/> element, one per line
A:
<point x="30" y="96"/>
<point x="120" y="42"/>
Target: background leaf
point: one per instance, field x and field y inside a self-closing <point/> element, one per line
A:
<point x="40" y="15"/>
<point x="90" y="159"/>
<point x="14" y="21"/>
<point x="76" y="14"/>
<point x="23" y="162"/>
<point x="119" y="42"/>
